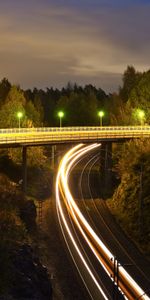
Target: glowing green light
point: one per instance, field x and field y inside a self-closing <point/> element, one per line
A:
<point x="60" y="114"/>
<point x="141" y="114"/>
<point x="101" y="114"/>
<point x="19" y="114"/>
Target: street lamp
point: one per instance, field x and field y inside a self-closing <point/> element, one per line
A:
<point x="60" y="115"/>
<point x="19" y="115"/>
<point x="141" y="116"/>
<point x="101" y="115"/>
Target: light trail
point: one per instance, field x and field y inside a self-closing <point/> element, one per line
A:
<point x="126" y="283"/>
<point x="61" y="213"/>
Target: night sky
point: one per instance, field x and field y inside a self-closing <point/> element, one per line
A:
<point x="47" y="43"/>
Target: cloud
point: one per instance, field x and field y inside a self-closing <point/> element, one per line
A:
<point x="45" y="42"/>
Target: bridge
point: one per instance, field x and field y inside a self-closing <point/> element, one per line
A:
<point x="27" y="137"/>
<point x="18" y="137"/>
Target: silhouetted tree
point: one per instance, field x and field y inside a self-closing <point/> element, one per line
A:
<point x="130" y="80"/>
<point x="5" y="87"/>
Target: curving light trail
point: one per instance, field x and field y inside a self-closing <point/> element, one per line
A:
<point x="66" y="205"/>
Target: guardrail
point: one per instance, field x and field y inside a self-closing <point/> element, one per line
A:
<point x="45" y="135"/>
<point x="80" y="128"/>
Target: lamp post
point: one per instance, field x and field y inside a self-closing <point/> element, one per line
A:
<point x="101" y="114"/>
<point x="141" y="116"/>
<point x="60" y="115"/>
<point x="19" y="115"/>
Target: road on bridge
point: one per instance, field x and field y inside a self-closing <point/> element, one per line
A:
<point x="14" y="137"/>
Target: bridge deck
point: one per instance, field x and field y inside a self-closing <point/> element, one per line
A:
<point x="15" y="137"/>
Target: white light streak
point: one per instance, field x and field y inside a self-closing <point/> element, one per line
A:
<point x="102" y="253"/>
<point x="60" y="210"/>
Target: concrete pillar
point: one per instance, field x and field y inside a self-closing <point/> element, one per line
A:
<point x="106" y="169"/>
<point x="53" y="150"/>
<point x="24" y="165"/>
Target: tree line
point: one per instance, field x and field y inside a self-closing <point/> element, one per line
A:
<point x="79" y="104"/>
<point x="40" y="107"/>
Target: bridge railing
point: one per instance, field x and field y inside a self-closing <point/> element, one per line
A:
<point x="80" y="128"/>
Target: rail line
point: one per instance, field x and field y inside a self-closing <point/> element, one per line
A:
<point x="126" y="283"/>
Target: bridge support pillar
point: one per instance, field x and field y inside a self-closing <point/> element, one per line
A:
<point x="53" y="154"/>
<point x="24" y="171"/>
<point x="106" y="169"/>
